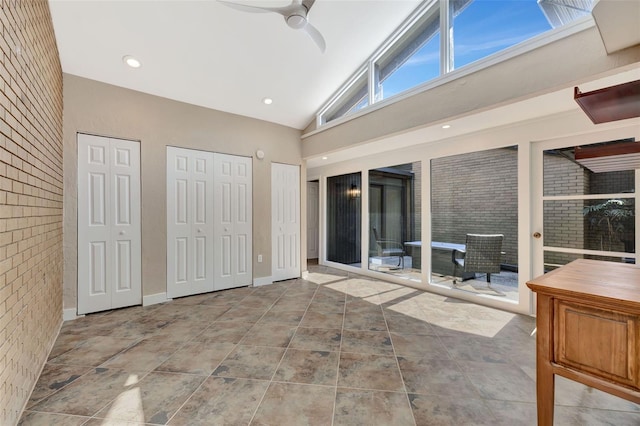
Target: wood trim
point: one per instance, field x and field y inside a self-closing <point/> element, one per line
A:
<point x="612" y="103"/>
<point x="621" y="148"/>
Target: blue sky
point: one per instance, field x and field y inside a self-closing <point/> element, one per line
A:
<point x="483" y="28"/>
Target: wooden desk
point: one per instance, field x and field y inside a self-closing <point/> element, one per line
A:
<point x="588" y="322"/>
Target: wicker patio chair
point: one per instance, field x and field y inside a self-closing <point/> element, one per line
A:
<point x="482" y="254"/>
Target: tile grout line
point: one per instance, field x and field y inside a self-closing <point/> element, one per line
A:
<point x="285" y="349"/>
<point x="395" y="357"/>
<point x="335" y="398"/>
<point x="210" y="375"/>
<point x="234" y="304"/>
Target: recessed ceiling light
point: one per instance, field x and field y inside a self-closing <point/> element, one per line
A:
<point x="131" y="61"/>
<point x="267" y="101"/>
<point x="446" y="126"/>
<point x="324" y="158"/>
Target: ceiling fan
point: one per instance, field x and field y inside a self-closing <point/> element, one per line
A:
<point x="295" y="15"/>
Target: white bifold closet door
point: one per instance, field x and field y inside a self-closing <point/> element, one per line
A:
<point x="285" y="219"/>
<point x="109" y="239"/>
<point x="233" y="221"/>
<point x="189" y="222"/>
<point x="209" y="225"/>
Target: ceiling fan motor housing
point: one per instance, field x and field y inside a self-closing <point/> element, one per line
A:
<point x="296" y="21"/>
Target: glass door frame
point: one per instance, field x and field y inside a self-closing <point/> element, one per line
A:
<point x="537" y="192"/>
<point x="523" y="304"/>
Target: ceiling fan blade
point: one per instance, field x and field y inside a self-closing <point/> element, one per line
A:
<point x="252" y="9"/>
<point x="308" y="4"/>
<point x="315" y="36"/>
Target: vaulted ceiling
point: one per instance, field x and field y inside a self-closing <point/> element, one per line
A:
<point x="205" y="53"/>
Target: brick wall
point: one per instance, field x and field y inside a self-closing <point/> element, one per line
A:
<point x="30" y="198"/>
<point x="417" y="194"/>
<point x="563" y="220"/>
<point x="476" y="193"/>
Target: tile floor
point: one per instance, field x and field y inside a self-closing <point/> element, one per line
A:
<point x="335" y="349"/>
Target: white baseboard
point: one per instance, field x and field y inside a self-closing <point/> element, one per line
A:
<point x="154" y="299"/>
<point x="257" y="282"/>
<point x="70" y="314"/>
<point x="305" y="275"/>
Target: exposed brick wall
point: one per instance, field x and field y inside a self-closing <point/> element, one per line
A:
<point x="30" y="198"/>
<point x="476" y="193"/>
<point x="417" y="194"/>
<point x="563" y="220"/>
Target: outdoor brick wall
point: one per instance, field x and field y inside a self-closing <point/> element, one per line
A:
<point x="30" y="198"/>
<point x="416" y="168"/>
<point x="612" y="182"/>
<point x="476" y="193"/>
<point x="564" y="221"/>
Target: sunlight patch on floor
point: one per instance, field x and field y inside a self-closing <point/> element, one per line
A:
<point x="439" y="311"/>
<point x="363" y="288"/>
<point x="454" y="314"/>
<point x="131" y="380"/>
<point x="127" y="406"/>
<point x="319" y="278"/>
<point x="389" y="296"/>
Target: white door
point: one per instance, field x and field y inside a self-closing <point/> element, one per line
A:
<point x="313" y="198"/>
<point x="109" y="240"/>
<point x="233" y="221"/>
<point x="285" y="217"/>
<point x="189" y="222"/>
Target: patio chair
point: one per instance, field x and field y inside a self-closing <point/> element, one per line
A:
<point x="482" y="254"/>
<point x="390" y="248"/>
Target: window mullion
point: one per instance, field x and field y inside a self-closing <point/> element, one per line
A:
<point x="446" y="37"/>
<point x="374" y="83"/>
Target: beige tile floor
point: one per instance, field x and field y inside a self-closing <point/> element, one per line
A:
<point x="335" y="349"/>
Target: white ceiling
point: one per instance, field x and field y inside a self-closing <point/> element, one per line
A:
<point x="205" y="53"/>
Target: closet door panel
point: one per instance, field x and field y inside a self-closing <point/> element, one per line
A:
<point x="126" y="226"/>
<point x="109" y="239"/>
<point x="285" y="217"/>
<point x="243" y="226"/>
<point x="189" y="222"/>
<point x="233" y="224"/>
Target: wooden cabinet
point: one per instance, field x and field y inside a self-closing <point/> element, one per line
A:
<point x="588" y="330"/>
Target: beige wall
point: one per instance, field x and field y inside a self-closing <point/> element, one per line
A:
<point x="569" y="61"/>
<point x="30" y="199"/>
<point x="102" y="109"/>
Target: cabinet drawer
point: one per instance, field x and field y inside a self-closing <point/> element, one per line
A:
<point x="603" y="343"/>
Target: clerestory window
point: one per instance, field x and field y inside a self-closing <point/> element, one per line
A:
<point x="444" y="35"/>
